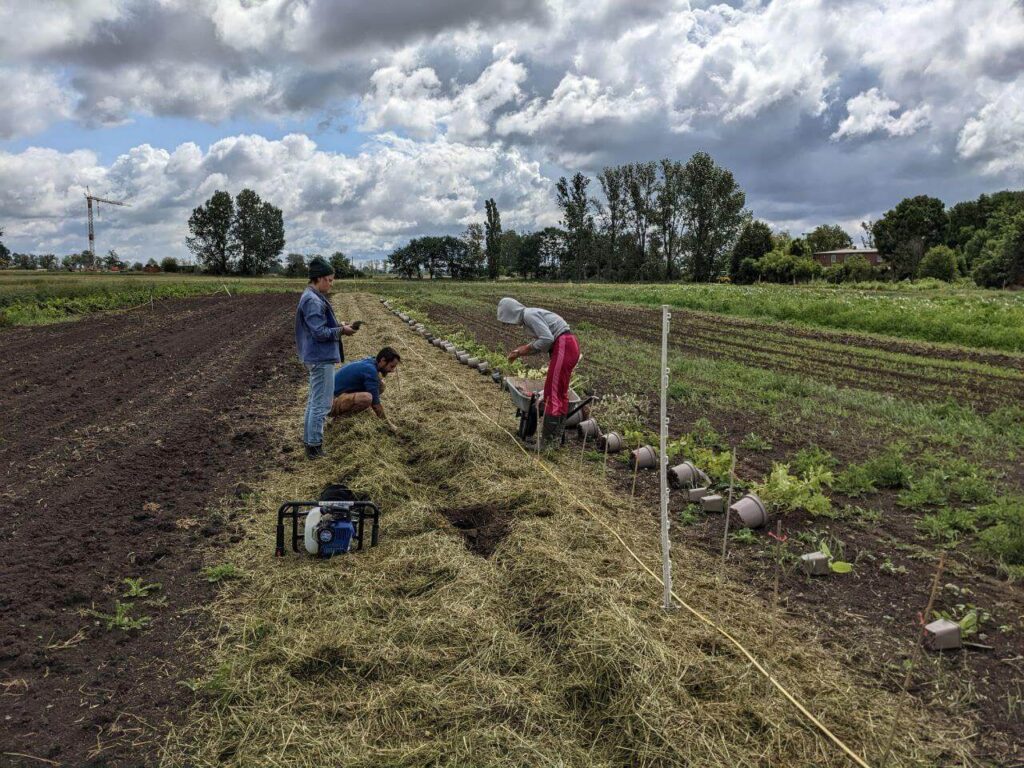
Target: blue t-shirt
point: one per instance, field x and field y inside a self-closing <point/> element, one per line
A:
<point x="358" y="376"/>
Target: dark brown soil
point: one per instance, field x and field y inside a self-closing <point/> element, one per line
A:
<point x="874" y="611"/>
<point x="483" y="527"/>
<point x="120" y="434"/>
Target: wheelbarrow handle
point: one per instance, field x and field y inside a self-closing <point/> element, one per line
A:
<point x="580" y="406"/>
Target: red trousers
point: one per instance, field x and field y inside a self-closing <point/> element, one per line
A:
<point x="565" y="353"/>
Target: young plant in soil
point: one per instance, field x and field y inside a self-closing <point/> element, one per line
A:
<point x="138" y="588"/>
<point x="834" y="563"/>
<point x="222" y="572"/>
<point x="121" y="618"/>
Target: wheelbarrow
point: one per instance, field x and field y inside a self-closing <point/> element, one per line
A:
<point x="528" y="398"/>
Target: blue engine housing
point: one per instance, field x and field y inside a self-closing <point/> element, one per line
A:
<point x="334" y="537"/>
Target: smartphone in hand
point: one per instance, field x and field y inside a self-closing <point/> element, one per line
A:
<point x="356" y="325"/>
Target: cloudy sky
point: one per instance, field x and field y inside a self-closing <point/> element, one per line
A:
<point x="372" y="122"/>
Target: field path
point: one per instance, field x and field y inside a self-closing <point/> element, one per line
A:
<point x="119" y="432"/>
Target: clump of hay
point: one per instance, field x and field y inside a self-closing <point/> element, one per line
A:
<point x="553" y="651"/>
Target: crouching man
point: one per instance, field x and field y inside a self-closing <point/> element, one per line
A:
<point x="358" y="385"/>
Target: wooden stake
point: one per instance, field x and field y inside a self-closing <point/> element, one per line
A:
<point x="666" y="544"/>
<point x="915" y="654"/>
<point x="583" y="449"/>
<point x="775" y="587"/>
<point x="725" y="536"/>
<point x="222" y="285"/>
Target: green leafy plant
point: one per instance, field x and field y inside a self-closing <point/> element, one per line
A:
<point x="888" y="566"/>
<point x="786" y="492"/>
<point x="808" y="459"/>
<point x="121" y="618"/>
<point x="754" y="442"/>
<point x="138" y="588"/>
<point x="834" y="563"/>
<point x="222" y="572"/>
<point x="704" y="434"/>
<point x="743" y="536"/>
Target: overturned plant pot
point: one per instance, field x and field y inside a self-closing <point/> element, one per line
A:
<point x="483" y="366"/>
<point x="751" y="511"/>
<point x="815" y="564"/>
<point x="713" y="503"/>
<point x="942" y="635"/>
<point x="612" y="442"/>
<point x="473" y="362"/>
<point x="686" y="475"/>
<point x="696" y="494"/>
<point x="644" y="457"/>
<point x="497" y="378"/>
<point x="589" y="429"/>
<point x="403" y="317"/>
<point x="462" y="357"/>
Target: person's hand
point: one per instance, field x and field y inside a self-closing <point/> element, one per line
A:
<point x="513" y="355"/>
<point x="347" y="330"/>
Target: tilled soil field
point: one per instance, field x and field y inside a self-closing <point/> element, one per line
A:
<point x="878" y="613"/>
<point x="123" y="440"/>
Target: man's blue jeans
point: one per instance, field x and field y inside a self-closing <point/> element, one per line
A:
<point x="318" y="405"/>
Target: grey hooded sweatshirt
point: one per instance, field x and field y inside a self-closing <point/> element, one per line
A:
<point x="546" y="326"/>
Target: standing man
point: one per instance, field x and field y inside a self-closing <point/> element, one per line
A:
<point x="318" y="339"/>
<point x="552" y="335"/>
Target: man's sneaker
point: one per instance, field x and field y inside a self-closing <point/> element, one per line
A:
<point x="314" y="451"/>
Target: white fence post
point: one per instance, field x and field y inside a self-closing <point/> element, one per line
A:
<point x="666" y="558"/>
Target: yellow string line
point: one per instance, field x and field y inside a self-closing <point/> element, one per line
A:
<point x="750" y="657"/>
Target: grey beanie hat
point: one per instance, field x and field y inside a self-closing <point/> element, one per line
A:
<point x="319" y="267"/>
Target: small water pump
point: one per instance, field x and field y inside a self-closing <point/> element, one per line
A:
<point x="331" y="525"/>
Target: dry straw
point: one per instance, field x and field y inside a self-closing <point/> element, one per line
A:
<point x="553" y="651"/>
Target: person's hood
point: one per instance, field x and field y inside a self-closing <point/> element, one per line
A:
<point x="510" y="311"/>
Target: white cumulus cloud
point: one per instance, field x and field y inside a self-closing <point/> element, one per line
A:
<point x="871" y="112"/>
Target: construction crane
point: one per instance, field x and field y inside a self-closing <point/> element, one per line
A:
<point x="89" y="199"/>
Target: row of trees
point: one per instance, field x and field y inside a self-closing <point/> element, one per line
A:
<point x="244" y="235"/>
<point x="297" y="264"/>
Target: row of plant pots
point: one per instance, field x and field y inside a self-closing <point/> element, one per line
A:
<point x="461" y="355"/>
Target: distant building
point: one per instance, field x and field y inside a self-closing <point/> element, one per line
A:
<point x="151" y="268"/>
<point x="829" y="258"/>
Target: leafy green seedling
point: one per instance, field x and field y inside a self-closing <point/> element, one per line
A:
<point x="222" y="572"/>
<point x="121" y="618"/>
<point x="837" y="566"/>
<point x="743" y="536"/>
<point x="888" y="566"/>
<point x="138" y="588"/>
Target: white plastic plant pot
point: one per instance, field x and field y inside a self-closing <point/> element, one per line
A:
<point x="644" y="457"/>
<point x="483" y="366"/>
<point x="942" y="635"/>
<point x="589" y="429"/>
<point x="473" y="362"/>
<point x="815" y="564"/>
<point x="686" y="475"/>
<point x="462" y="357"/>
<point x="612" y="442"/>
<point x="696" y="494"/>
<point x="498" y="379"/>
<point x="751" y="511"/>
<point x="712" y="503"/>
<point x="403" y="317"/>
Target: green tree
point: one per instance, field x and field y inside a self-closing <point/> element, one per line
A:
<point x="905" y="233"/>
<point x="640" y="184"/>
<point x="112" y="260"/>
<point x="781" y="266"/>
<point x="578" y="222"/>
<point x="210" y="233"/>
<point x="828" y="237"/>
<point x="492" y="229"/>
<point x="613" y="216"/>
<point x="5" y="254"/>
<point x="1001" y="260"/>
<point x="343" y="267"/>
<point x="712" y="215"/>
<point x="257" y="232"/>
<point x="755" y="241"/>
<point x="470" y="263"/>
<point x="509" y="246"/>
<point x="49" y="261"/>
<point x="939" y="262"/>
<point x="169" y="264"/>
<point x="670" y="212"/>
<point x="528" y="256"/>
<point x="295" y="265"/>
